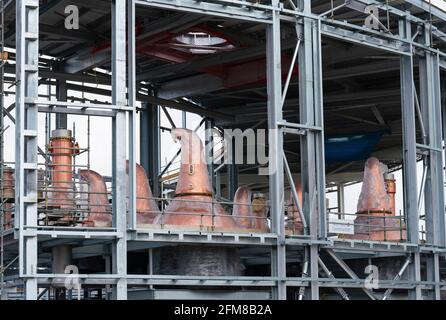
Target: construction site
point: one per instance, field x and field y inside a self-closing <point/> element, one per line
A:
<point x="222" y="149"/>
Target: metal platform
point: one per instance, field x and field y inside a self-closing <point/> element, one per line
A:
<point x="353" y="77"/>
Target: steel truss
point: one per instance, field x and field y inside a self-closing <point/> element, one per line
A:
<point x="310" y="27"/>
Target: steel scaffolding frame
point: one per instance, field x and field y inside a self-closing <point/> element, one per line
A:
<point x="310" y="28"/>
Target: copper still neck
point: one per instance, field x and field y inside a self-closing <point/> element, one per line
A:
<point x="373" y="195"/>
<point x="389" y="179"/>
<point x="194" y="176"/>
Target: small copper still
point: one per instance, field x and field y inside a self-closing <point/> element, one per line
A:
<point x="294" y="222"/>
<point x="250" y="210"/>
<point x="376" y="218"/>
<point x="100" y="214"/>
<point x="146" y="208"/>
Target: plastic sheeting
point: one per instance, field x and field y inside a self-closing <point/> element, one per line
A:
<point x="351" y="147"/>
<point x="373" y="193"/>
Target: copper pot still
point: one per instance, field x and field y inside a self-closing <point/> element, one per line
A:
<point x="250" y="210"/>
<point x="373" y="196"/>
<point x="294" y="221"/>
<point x="95" y="191"/>
<point x="193" y="204"/>
<point x="146" y="207"/>
<point x="376" y="206"/>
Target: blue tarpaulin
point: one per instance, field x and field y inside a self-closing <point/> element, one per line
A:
<point x="344" y="148"/>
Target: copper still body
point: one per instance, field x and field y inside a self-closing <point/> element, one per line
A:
<point x="8" y="196"/>
<point x="146" y="208"/>
<point x="8" y="184"/>
<point x="294" y="222"/>
<point x="193" y="204"/>
<point x="62" y="149"/>
<point x="100" y="214"/>
<point x="250" y="210"/>
<point x="376" y="218"/>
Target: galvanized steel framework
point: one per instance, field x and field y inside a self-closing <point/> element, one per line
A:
<point x="310" y="28"/>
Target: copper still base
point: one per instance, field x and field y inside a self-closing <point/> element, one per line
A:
<point x="196" y="210"/>
<point x="378" y="225"/>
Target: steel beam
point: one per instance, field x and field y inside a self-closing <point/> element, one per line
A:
<point x="119" y="98"/>
<point x="430" y="103"/>
<point x="131" y="85"/>
<point x="275" y="138"/>
<point x="27" y="46"/>
<point x="209" y="149"/>
<point x="61" y="95"/>
<point x="240" y="10"/>
<point x="409" y="140"/>
<point x="312" y="144"/>
<point x="410" y="157"/>
<point x="150" y="144"/>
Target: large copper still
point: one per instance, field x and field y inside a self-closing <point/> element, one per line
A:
<point x="193" y="204"/>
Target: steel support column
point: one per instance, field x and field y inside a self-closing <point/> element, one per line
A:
<point x="209" y="150"/>
<point x="27" y="46"/>
<point x="275" y="139"/>
<point x="232" y="173"/>
<point x="61" y="95"/>
<point x="119" y="98"/>
<point x="409" y="156"/>
<point x="430" y="102"/>
<point x="312" y="143"/>
<point x="150" y="143"/>
<point x="131" y="47"/>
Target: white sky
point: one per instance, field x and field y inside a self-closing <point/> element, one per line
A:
<point x="438" y="3"/>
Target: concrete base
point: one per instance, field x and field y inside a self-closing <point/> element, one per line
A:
<point x="198" y="261"/>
